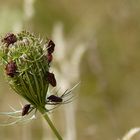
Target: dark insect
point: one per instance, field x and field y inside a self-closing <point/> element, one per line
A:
<point x="65" y="98"/>
<point x="11" y="69"/>
<point x="49" y="58"/>
<point x="53" y="98"/>
<point x="25" y="109"/>
<point x="50" y="46"/>
<point x="9" y="39"/>
<point x="51" y="79"/>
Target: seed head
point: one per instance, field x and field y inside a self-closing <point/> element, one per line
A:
<point x="28" y="73"/>
<point x="26" y="66"/>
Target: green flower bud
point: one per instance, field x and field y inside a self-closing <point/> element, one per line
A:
<point x="26" y="60"/>
<point x="26" y="66"/>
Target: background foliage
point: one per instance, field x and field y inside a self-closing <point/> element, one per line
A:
<point x="108" y="103"/>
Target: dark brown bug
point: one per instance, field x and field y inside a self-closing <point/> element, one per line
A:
<point x="25" y="109"/>
<point x="11" y="69"/>
<point x="50" y="46"/>
<point x="9" y="39"/>
<point x="53" y="98"/>
<point x="65" y="98"/>
<point x="51" y="79"/>
<point x="49" y="58"/>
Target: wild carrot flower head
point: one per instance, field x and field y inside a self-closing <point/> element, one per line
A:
<point x="26" y="61"/>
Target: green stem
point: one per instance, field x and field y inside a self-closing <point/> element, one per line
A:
<point x="43" y="111"/>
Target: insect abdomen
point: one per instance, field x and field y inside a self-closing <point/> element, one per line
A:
<point x="25" y="109"/>
<point x="53" y="98"/>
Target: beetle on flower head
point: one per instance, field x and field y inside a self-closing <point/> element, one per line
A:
<point x="10" y="38"/>
<point x="11" y="68"/>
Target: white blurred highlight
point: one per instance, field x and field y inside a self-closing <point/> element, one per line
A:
<point x="28" y="9"/>
<point x="131" y="133"/>
<point x="68" y="74"/>
<point x="59" y="41"/>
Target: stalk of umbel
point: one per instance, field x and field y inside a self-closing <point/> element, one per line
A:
<point x="27" y="60"/>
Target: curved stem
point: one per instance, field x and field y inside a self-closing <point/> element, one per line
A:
<point x="43" y="111"/>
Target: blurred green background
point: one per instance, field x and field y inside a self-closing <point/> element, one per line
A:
<point x="108" y="103"/>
